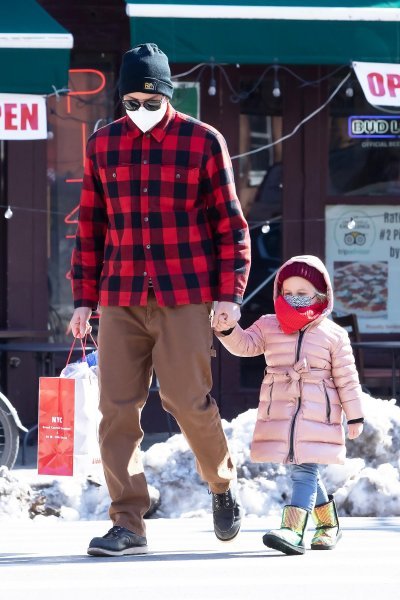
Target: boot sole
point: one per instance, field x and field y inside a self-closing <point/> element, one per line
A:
<point x="126" y="552"/>
<point x="321" y="547"/>
<point x="227" y="539"/>
<point x="276" y="543"/>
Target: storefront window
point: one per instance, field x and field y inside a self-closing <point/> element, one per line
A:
<point x="72" y="119"/>
<point x="260" y="192"/>
<point x="364" y="147"/>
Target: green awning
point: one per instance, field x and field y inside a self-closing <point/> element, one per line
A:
<point x="282" y="32"/>
<point x="34" y="49"/>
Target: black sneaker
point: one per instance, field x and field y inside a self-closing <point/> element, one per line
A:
<point x="117" y="542"/>
<point x="227" y="516"/>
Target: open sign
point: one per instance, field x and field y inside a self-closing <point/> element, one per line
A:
<point x="380" y="82"/>
<point x="22" y="117"/>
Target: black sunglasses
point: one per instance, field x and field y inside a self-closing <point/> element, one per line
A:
<point x="148" y="104"/>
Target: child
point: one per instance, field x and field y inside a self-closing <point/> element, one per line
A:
<point x="309" y="381"/>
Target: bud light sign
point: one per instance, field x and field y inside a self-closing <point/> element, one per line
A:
<point x="374" y="127"/>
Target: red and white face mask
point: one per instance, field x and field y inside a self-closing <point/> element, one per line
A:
<point x="293" y="319"/>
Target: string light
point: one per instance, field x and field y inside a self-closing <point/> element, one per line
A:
<point x="298" y="126"/>
<point x="266" y="225"/>
<point x="266" y="228"/>
<point x="212" y="88"/>
<point x="351" y="224"/>
<point x="276" y="91"/>
<point x="9" y="213"/>
<point x="238" y="96"/>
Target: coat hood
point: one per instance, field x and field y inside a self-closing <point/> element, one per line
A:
<point x="317" y="263"/>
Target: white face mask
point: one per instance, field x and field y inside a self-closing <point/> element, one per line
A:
<point x="147" y="119"/>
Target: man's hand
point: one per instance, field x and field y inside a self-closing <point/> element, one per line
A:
<point x="79" y="324"/>
<point x="226" y="315"/>
<point x="355" y="429"/>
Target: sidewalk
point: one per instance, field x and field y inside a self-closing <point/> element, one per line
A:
<point x="47" y="557"/>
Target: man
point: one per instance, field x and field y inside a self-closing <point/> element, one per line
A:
<point x="161" y="236"/>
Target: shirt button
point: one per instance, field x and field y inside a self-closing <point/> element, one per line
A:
<point x="146" y="219"/>
<point x="145" y="273"/>
<point x="145" y="162"/>
<point x="144" y="190"/>
<point x="178" y="175"/>
<point x="147" y="135"/>
<point x="114" y="175"/>
<point x="148" y="246"/>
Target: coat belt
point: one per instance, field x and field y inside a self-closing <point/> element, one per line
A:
<point x="298" y="374"/>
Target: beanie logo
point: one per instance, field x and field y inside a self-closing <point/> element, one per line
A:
<point x="148" y="85"/>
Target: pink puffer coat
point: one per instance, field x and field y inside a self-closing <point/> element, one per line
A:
<point x="309" y="381"/>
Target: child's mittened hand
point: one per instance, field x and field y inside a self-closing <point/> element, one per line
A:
<point x="355" y="429"/>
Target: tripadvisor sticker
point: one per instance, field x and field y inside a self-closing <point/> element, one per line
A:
<point x="360" y="237"/>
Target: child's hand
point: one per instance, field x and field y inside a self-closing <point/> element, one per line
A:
<point x="355" y="429"/>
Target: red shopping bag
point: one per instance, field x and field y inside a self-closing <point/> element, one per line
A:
<point x="56" y="426"/>
<point x="68" y="422"/>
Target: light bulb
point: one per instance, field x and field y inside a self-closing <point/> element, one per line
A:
<point x="212" y="89"/>
<point x="276" y="92"/>
<point x="351" y="224"/>
<point x="9" y="213"/>
<point x="266" y="228"/>
<point x="349" y="92"/>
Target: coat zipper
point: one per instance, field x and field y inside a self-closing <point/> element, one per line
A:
<point x="291" y="450"/>
<point x="328" y="404"/>
<point x="270" y="398"/>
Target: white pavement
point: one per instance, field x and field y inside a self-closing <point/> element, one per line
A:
<point x="46" y="558"/>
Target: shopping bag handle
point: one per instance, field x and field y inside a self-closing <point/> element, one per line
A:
<point x="72" y="348"/>
<point x="93" y="340"/>
<point x="83" y="344"/>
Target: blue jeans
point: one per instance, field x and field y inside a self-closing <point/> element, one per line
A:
<point x="308" y="489"/>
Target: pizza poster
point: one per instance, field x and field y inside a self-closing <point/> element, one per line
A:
<point x="363" y="259"/>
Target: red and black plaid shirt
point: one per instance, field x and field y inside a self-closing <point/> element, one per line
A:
<point x="159" y="205"/>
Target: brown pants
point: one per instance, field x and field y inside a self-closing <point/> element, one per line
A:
<point x="177" y="342"/>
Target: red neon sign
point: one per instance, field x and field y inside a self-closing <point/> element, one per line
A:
<point x="71" y="217"/>
<point x="85" y="92"/>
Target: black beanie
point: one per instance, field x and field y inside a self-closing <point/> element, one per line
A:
<point x="145" y="69"/>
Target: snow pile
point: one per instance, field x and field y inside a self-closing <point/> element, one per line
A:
<point x="366" y="485"/>
<point x="15" y="496"/>
<point x="71" y="498"/>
